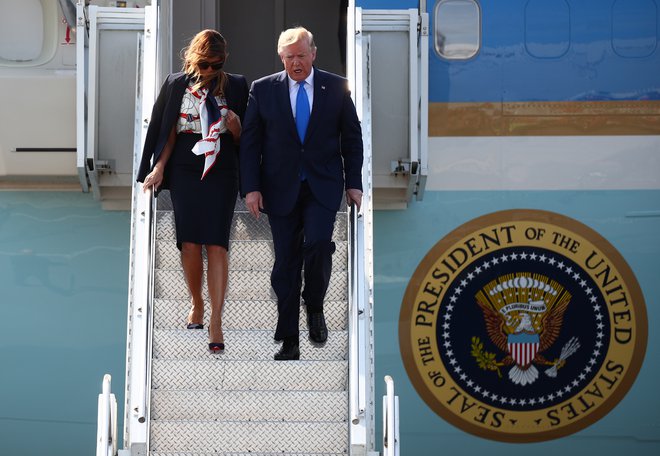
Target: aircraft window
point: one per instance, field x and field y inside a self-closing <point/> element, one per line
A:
<point x="634" y="25"/>
<point x="28" y="32"/>
<point x="457" y="29"/>
<point x="547" y="28"/>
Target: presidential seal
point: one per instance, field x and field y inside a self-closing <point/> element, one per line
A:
<point x="523" y="326"/>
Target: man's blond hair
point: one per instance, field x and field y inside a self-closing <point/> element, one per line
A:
<point x="293" y="35"/>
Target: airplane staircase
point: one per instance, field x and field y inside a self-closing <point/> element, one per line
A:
<point x="181" y="400"/>
<point x="242" y="401"/>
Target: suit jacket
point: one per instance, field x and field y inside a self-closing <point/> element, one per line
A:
<point x="166" y="111"/>
<point x="272" y="154"/>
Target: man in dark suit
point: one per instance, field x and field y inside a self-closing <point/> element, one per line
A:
<point x="301" y="146"/>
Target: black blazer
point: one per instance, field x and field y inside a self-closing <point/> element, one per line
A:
<point x="272" y="155"/>
<point x="166" y="111"/>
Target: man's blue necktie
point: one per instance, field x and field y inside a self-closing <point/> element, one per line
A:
<point x="302" y="110"/>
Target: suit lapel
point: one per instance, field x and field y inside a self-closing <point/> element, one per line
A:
<point x="284" y="101"/>
<point x="173" y="106"/>
<point x="320" y="94"/>
<point x="228" y="92"/>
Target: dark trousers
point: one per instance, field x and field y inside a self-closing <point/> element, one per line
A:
<point x="303" y="237"/>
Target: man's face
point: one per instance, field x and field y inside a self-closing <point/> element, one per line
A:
<point x="298" y="58"/>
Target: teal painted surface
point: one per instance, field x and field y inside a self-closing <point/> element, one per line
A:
<point x="629" y="220"/>
<point x="63" y="295"/>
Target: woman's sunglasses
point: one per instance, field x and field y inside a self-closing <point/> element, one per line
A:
<point x="204" y="65"/>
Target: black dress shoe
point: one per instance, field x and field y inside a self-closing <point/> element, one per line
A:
<point x="288" y="352"/>
<point x="318" y="332"/>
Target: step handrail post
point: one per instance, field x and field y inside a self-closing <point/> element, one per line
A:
<point x="354" y="329"/>
<point x="106" y="431"/>
<point x="390" y="420"/>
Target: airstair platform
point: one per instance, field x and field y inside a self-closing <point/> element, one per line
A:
<point x="242" y="402"/>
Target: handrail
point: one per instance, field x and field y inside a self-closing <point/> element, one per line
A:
<point x="141" y="309"/>
<point x="141" y="284"/>
<point x="356" y="309"/>
<point x="361" y="409"/>
<point x="150" y="298"/>
<point x="106" y="431"/>
<point x="390" y="420"/>
<point x="148" y="312"/>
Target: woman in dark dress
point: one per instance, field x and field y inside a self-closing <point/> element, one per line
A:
<point x="191" y="148"/>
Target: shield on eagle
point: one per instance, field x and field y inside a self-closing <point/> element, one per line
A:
<point x="523" y="347"/>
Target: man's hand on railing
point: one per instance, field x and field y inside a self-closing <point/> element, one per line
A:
<point x="354" y="196"/>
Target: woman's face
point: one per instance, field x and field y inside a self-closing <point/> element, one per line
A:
<point x="210" y="65"/>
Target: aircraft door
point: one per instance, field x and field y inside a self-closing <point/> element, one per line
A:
<point x="391" y="54"/>
<point x="107" y="93"/>
<point x="252" y="27"/>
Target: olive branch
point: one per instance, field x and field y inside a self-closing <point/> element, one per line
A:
<point x="485" y="360"/>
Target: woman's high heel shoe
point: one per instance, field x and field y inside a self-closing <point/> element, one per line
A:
<point x="215" y="347"/>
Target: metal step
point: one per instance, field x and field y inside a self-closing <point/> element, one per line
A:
<point x="247" y="345"/>
<point x="244" y="227"/>
<point x="242" y="286"/>
<point x="242" y="402"/>
<point x="249" y="436"/>
<point x="233" y="375"/>
<point x="248" y="454"/>
<point x="227" y="405"/>
<point x="172" y="314"/>
<point x="246" y="255"/>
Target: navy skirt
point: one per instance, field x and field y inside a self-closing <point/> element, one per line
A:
<point x="203" y="208"/>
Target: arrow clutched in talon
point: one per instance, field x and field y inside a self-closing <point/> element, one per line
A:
<point x="566" y="351"/>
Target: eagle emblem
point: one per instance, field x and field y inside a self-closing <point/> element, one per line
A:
<point x="523" y="313"/>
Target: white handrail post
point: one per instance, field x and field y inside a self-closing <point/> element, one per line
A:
<point x="136" y="424"/>
<point x="357" y="358"/>
<point x="106" y="432"/>
<point x="390" y="420"/>
<point x="361" y="400"/>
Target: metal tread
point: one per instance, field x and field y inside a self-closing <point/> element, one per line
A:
<point x="242" y="286"/>
<point x="244" y="227"/>
<point x="247" y="345"/>
<point x="228" y="405"/>
<point x="253" y="436"/>
<point x="251" y="255"/>
<point x="164" y="203"/>
<point x="172" y="314"/>
<point x="236" y="375"/>
<point x="247" y="454"/>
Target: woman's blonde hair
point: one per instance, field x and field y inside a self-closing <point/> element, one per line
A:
<point x="206" y="45"/>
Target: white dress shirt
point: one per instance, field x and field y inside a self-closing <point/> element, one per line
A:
<point x="309" y="88"/>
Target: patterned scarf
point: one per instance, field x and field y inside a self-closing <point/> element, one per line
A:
<point x="211" y="115"/>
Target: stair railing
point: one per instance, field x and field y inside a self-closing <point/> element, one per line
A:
<point x="106" y="431"/>
<point x="138" y="362"/>
<point x="390" y="420"/>
<point x="360" y="332"/>
<point x="361" y="344"/>
<point x="141" y="273"/>
<point x="356" y="310"/>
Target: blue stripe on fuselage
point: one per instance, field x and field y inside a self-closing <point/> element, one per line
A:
<point x="589" y="70"/>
